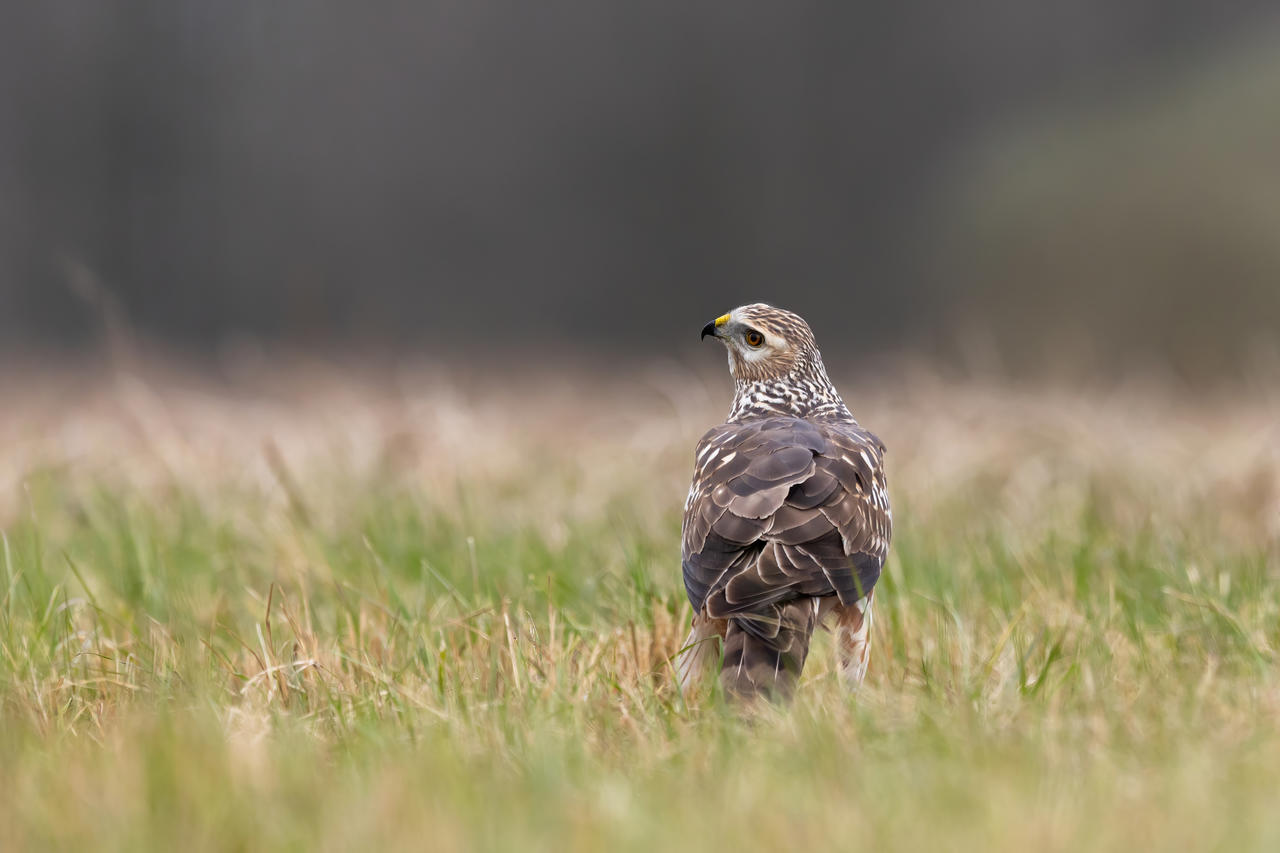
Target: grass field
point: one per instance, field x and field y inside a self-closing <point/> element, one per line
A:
<point x="428" y="613"/>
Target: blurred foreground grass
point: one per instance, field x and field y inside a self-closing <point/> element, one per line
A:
<point x="439" y="614"/>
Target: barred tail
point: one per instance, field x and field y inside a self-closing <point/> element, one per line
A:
<point x="763" y="656"/>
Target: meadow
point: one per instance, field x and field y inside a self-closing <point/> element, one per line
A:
<point x="327" y="611"/>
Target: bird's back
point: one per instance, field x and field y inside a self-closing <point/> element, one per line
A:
<point x="786" y="519"/>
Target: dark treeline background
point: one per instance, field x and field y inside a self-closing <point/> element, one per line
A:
<point x="1095" y="175"/>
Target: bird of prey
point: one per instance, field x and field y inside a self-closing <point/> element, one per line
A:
<point x="787" y="522"/>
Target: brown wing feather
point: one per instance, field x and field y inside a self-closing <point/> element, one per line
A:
<point x="783" y="509"/>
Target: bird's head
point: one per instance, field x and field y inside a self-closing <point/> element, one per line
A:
<point x="765" y="343"/>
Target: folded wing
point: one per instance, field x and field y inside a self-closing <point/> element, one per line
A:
<point x="783" y="509"/>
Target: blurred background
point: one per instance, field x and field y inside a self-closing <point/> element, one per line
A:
<point x="1022" y="186"/>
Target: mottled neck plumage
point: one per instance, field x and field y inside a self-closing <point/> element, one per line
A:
<point x="805" y="392"/>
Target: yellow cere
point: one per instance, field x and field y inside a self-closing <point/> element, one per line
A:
<point x="720" y="321"/>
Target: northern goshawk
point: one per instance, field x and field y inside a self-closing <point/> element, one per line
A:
<point x="787" y="521"/>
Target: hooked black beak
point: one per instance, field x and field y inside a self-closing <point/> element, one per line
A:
<point x="708" y="330"/>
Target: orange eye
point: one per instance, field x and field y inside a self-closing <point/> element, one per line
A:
<point x="754" y="338"/>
